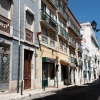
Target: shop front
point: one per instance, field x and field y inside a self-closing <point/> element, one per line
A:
<point x="48" y="72"/>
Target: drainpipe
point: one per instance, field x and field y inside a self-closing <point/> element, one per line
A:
<point x="18" y="54"/>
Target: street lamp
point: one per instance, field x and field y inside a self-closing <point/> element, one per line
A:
<point x="94" y="25"/>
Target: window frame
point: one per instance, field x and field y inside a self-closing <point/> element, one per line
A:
<point x="45" y="35"/>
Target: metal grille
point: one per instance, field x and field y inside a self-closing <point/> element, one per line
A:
<point x="4" y="67"/>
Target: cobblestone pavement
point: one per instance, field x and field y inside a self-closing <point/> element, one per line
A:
<point x="82" y="92"/>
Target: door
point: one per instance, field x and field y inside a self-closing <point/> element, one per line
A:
<point x="4" y="71"/>
<point x="4" y="66"/>
<point x="27" y="69"/>
<point x="44" y="75"/>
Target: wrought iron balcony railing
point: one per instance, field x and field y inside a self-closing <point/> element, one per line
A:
<point x="50" y="21"/>
<point x="71" y="42"/>
<point x="62" y="11"/>
<point x="4" y="24"/>
<point x="54" y="2"/>
<point x="63" y="32"/>
<point x="70" y="24"/>
<point x="29" y="35"/>
<point x="80" y="48"/>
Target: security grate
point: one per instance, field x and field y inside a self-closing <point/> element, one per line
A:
<point x="4" y="67"/>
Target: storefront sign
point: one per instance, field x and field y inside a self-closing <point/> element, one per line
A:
<point x="50" y="60"/>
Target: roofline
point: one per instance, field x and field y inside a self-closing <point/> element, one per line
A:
<point x="73" y="16"/>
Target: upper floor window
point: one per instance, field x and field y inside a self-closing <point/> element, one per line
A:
<point x="51" y="14"/>
<point x="29" y="21"/>
<point x="5" y="6"/>
<point x="60" y="22"/>
<point x="44" y="36"/>
<point x="61" y="45"/>
<point x="52" y="40"/>
<point x="5" y="15"/>
<point x="43" y="6"/>
<point x="64" y="26"/>
<point x="29" y="26"/>
<point x="65" y="47"/>
<point x="53" y="17"/>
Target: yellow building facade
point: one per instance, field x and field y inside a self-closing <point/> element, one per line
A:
<point x="59" y="41"/>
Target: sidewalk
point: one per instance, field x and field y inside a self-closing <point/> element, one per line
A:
<point x="31" y="93"/>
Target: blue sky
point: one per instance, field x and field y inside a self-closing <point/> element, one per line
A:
<point x="86" y="11"/>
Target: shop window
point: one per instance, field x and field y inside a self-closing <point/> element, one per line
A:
<point x="44" y="36"/>
<point x="51" y="71"/>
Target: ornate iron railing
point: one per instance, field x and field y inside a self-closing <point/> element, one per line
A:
<point x="45" y="17"/>
<point x="4" y="24"/>
<point x="29" y="35"/>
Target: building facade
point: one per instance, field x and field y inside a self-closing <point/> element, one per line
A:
<point x="60" y="54"/>
<point x="93" y="56"/>
<point x="18" y="44"/>
<point x="86" y="71"/>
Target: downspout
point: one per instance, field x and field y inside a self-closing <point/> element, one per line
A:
<point x="19" y="53"/>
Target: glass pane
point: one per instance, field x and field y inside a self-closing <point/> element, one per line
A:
<point x="44" y="39"/>
<point x="52" y="43"/>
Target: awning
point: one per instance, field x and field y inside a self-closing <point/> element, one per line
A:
<point x="62" y="61"/>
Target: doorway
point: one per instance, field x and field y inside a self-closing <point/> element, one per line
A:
<point x="4" y="66"/>
<point x="44" y="75"/>
<point x="27" y="68"/>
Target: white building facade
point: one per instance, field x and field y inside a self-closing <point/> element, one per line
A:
<point x="91" y="54"/>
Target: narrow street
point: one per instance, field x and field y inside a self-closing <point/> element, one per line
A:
<point x="82" y="92"/>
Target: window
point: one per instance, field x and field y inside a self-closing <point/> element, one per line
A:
<point x="43" y="6"/>
<point x="85" y="64"/>
<point x="5" y="8"/>
<point x="65" y="47"/>
<point x="61" y="45"/>
<point x="51" y="14"/>
<point x="51" y="71"/>
<point x="29" y="21"/>
<point x="64" y="26"/>
<point x="44" y="36"/>
<point x="60" y="22"/>
<point x="52" y="40"/>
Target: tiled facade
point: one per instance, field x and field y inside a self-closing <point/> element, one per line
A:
<point x="40" y="45"/>
<point x="17" y="28"/>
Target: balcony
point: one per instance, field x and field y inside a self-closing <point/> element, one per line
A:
<point x="54" y="3"/>
<point x="47" y="20"/>
<point x="72" y="43"/>
<point x="63" y="32"/>
<point x="70" y="25"/>
<point x="80" y="48"/>
<point x="62" y="12"/>
<point x="4" y="24"/>
<point x="80" y="63"/>
<point x="89" y="58"/>
<point x="72" y="61"/>
<point x="29" y="35"/>
<point x="85" y="57"/>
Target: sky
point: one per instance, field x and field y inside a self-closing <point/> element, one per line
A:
<point x="86" y="11"/>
